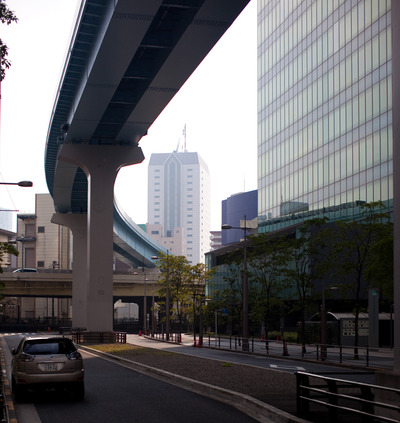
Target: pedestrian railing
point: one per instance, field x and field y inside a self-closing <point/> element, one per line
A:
<point x="358" y="357"/>
<point x="175" y="337"/>
<point x="85" y="337"/>
<point x="338" y="396"/>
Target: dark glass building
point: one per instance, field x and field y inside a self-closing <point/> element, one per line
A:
<point x="234" y="209"/>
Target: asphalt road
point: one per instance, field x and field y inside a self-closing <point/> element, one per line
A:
<point x="118" y="394"/>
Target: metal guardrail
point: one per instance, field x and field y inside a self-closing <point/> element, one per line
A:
<point x="366" y="357"/>
<point x="356" y="397"/>
<point x="84" y="337"/>
<point x="161" y="336"/>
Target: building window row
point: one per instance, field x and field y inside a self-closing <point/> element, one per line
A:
<point x="369" y="111"/>
<point x="326" y="84"/>
<point x="343" y="28"/>
<point x="360" y="162"/>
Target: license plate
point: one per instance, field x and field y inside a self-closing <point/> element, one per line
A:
<point x="50" y="367"/>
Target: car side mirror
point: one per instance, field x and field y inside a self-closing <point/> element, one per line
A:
<point x="13" y="352"/>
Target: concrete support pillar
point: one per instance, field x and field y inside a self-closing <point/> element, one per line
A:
<point x="78" y="225"/>
<point x="396" y="176"/>
<point x="101" y="165"/>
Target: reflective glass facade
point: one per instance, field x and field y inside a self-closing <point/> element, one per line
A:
<point x="325" y="142"/>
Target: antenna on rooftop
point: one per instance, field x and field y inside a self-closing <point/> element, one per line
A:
<point x="184" y="141"/>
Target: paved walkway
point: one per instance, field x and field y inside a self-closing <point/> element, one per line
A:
<point x="379" y="358"/>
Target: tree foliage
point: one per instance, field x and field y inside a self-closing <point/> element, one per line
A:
<point x="5" y="249"/>
<point x="186" y="285"/>
<point x="379" y="271"/>
<point x="230" y="298"/>
<point x="304" y="253"/>
<point x="267" y="260"/>
<point x="174" y="276"/>
<point x="356" y="253"/>
<point x="6" y="17"/>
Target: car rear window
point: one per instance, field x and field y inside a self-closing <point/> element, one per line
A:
<point x="43" y="347"/>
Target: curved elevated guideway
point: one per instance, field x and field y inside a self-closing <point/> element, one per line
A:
<point x="126" y="61"/>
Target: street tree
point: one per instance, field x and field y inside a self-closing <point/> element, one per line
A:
<point x="229" y="299"/>
<point x="6" y="249"/>
<point x="6" y="17"/>
<point x="303" y="254"/>
<point x="174" y="275"/>
<point x="356" y="245"/>
<point x="379" y="272"/>
<point x="267" y="260"/>
<point x="198" y="278"/>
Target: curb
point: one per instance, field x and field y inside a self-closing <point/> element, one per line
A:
<point x="254" y="408"/>
<point x="8" y="407"/>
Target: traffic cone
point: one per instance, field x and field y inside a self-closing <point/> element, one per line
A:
<point x="194" y="343"/>
<point x="285" y="350"/>
<point x="140" y="333"/>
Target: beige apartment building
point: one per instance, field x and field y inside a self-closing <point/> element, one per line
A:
<point x="42" y="244"/>
<point x="175" y="242"/>
<point x="47" y="247"/>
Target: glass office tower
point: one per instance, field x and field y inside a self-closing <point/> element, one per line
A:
<point x="325" y="143"/>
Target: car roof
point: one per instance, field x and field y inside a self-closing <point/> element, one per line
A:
<point x="45" y="338"/>
<point x="26" y="269"/>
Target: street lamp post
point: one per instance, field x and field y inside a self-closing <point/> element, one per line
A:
<point x="22" y="239"/>
<point x="145" y="307"/>
<point x="25" y="184"/>
<point x="153" y="326"/>
<point x="245" y="302"/>
<point x="167" y="305"/>
<point x="144" y="301"/>
<point x="323" y="326"/>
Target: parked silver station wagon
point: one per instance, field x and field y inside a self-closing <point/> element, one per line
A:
<point x="47" y="363"/>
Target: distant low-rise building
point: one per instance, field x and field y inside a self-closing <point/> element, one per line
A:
<point x="174" y="241"/>
<point x="44" y="246"/>
<point x="215" y="239"/>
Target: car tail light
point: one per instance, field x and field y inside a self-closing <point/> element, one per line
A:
<point x="75" y="355"/>
<point x="26" y="357"/>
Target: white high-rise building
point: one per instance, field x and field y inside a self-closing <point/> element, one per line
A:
<point x="179" y="197"/>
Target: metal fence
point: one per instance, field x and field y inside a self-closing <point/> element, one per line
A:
<point x="358" y="357"/>
<point x="338" y="396"/>
<point x="84" y="337"/>
<point x="162" y="336"/>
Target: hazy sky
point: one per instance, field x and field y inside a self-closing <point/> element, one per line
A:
<point x="218" y="105"/>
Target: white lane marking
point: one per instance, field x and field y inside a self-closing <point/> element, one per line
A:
<point x="275" y="366"/>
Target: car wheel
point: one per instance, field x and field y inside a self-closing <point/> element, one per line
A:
<point x="17" y="391"/>
<point x="79" y="392"/>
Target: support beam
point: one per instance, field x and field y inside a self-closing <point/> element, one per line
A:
<point x="396" y="177"/>
<point x="101" y="164"/>
<point x="77" y="223"/>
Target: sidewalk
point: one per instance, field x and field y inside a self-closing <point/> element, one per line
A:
<point x="376" y="359"/>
